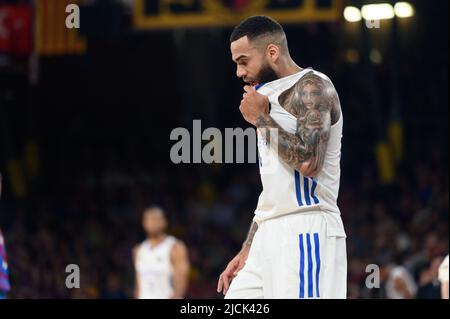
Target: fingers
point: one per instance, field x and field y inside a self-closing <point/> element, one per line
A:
<point x="224" y="283"/>
<point x="225" y="278"/>
<point x="220" y="284"/>
<point x="249" y="89"/>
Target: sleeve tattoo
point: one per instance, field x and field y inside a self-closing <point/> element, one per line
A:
<point x="250" y="235"/>
<point x="314" y="101"/>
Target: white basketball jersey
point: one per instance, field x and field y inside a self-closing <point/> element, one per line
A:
<point x="154" y="269"/>
<point x="285" y="190"/>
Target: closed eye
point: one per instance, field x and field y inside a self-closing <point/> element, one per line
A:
<point x="242" y="60"/>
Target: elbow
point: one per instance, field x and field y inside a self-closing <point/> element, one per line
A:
<point x="308" y="169"/>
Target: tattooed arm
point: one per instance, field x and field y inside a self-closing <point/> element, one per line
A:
<point x="251" y="233"/>
<point x="237" y="263"/>
<point x="314" y="102"/>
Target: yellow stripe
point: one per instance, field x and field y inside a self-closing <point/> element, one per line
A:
<point x="386" y="168"/>
<point x="60" y="27"/>
<point x="51" y="27"/>
<point x="17" y="179"/>
<point x="395" y="136"/>
<point x="32" y="158"/>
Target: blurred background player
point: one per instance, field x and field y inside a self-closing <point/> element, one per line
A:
<point x="161" y="261"/>
<point x="443" y="278"/>
<point x="4" y="280"/>
<point x="400" y="284"/>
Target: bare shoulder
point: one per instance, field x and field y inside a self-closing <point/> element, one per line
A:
<point x="179" y="252"/>
<point x="135" y="250"/>
<point x="179" y="247"/>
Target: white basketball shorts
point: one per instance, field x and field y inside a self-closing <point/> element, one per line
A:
<point x="293" y="256"/>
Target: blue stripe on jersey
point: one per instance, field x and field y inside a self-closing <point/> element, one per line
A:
<point x="258" y="86"/>
<point x="306" y="190"/>
<point x="4" y="285"/>
<point x="302" y="266"/>
<point x="317" y="246"/>
<point x="313" y="189"/>
<point x="310" y="265"/>
<point x="298" y="191"/>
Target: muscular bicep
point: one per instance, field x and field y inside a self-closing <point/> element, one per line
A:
<point x="180" y="259"/>
<point x="314" y="130"/>
<point x="316" y="103"/>
<point x="136" y="278"/>
<point x="180" y="264"/>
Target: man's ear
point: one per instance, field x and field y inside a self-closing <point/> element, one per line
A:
<point x="273" y="52"/>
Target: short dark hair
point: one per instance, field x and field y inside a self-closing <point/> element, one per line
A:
<point x="153" y="208"/>
<point x="256" y="26"/>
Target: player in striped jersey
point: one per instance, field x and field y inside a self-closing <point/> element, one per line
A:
<point x="4" y="272"/>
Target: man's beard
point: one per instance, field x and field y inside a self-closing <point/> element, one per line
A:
<point x="266" y="74"/>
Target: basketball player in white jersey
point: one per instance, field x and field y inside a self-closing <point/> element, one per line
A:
<point x="296" y="244"/>
<point x="161" y="261"/>
<point x="443" y="278"/>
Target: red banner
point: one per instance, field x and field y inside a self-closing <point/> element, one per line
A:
<point x="240" y="4"/>
<point x="16" y="29"/>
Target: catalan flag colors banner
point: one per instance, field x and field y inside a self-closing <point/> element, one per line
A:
<point x="16" y="29"/>
<point x="52" y="37"/>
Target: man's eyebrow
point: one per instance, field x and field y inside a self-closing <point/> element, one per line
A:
<point x="240" y="57"/>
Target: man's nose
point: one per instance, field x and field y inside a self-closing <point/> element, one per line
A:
<point x="240" y="72"/>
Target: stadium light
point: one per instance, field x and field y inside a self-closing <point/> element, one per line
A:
<point x="403" y="10"/>
<point x="379" y="11"/>
<point x="352" y="14"/>
<point x="376" y="56"/>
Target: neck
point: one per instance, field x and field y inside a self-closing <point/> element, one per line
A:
<point x="287" y="68"/>
<point x="156" y="239"/>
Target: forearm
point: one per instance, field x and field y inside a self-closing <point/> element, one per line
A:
<point x="136" y="289"/>
<point x="180" y="282"/>
<point x="445" y="290"/>
<point x="291" y="148"/>
<point x="181" y="267"/>
<point x="251" y="234"/>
